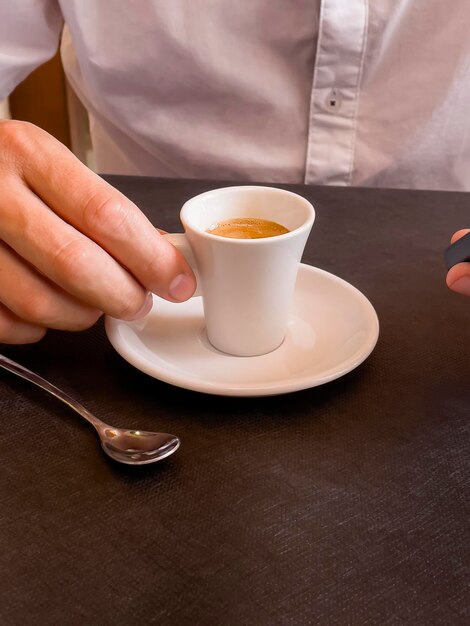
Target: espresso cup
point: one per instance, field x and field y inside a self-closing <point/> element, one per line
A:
<point x="246" y="284"/>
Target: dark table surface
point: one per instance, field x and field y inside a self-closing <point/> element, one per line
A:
<point x="341" y="504"/>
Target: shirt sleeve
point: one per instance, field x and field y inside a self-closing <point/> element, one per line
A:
<point x="29" y="35"/>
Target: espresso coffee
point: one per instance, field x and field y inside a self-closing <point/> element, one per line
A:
<point x="247" y="228"/>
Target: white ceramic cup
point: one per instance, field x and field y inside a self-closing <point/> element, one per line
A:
<point x="246" y="284"/>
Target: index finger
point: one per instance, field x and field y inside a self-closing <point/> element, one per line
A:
<point x="108" y="217"/>
<point x="459" y="234"/>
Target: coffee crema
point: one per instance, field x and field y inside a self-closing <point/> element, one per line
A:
<point x="247" y="228"/>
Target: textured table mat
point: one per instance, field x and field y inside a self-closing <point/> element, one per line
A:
<point x="343" y="504"/>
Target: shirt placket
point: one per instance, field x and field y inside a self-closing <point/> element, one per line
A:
<point x="335" y="91"/>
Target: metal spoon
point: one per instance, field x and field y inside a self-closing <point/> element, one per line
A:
<point x="133" y="447"/>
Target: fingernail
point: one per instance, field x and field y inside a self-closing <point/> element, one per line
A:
<point x="462" y="285"/>
<point x="146" y="308"/>
<point x="182" y="287"/>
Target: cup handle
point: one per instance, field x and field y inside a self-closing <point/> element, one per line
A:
<point x="181" y="243"/>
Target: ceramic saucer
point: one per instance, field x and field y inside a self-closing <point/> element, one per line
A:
<point x="332" y="329"/>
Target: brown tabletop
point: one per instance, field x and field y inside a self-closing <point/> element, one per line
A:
<point x="341" y="504"/>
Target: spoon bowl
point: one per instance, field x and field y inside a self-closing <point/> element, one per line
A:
<point x="132" y="447"/>
<point x="137" y="447"/>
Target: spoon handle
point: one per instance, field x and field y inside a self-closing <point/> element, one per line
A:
<point x="27" y="374"/>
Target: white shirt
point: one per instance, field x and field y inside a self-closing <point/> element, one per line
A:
<point x="361" y="92"/>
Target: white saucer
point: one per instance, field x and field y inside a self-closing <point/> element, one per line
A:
<point x="332" y="329"/>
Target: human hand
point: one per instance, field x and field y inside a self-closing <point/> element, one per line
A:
<point x="71" y="246"/>
<point x="458" y="277"/>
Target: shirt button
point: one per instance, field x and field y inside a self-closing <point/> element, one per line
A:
<point x="332" y="101"/>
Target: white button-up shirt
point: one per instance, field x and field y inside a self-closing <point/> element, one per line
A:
<point x="362" y="92"/>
